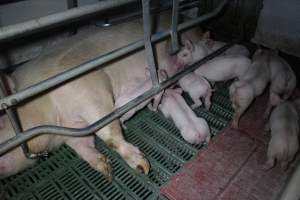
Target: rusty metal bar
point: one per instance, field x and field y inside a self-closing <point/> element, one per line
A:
<point x="148" y="45"/>
<point x="41" y="130"/>
<point x="96" y="62"/>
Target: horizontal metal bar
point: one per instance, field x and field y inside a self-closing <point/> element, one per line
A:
<point x="40" y="130"/>
<point x="94" y="63"/>
<point x="14" y="31"/>
<point x="182" y="6"/>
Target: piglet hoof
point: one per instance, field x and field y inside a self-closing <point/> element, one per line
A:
<point x="207" y="140"/>
<point x="266" y="129"/>
<point x="194" y="106"/>
<point x="285" y="165"/>
<point x="207" y="107"/>
<point x="124" y="126"/>
<point x="104" y="166"/>
<point x="268" y="165"/>
<point x="234" y="125"/>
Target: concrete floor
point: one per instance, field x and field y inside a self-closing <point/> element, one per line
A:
<point x="230" y="168"/>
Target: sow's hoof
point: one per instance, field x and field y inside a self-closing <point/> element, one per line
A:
<point x="134" y="157"/>
<point x="104" y="166"/>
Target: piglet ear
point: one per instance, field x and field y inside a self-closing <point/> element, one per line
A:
<point x="206" y="35"/>
<point x="162" y="74"/>
<point x="188" y="45"/>
<point x="147" y="72"/>
<point x="259" y="50"/>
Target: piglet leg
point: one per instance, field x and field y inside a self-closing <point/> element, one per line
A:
<point x="157" y="98"/>
<point x="274" y="100"/>
<point x="207" y="101"/>
<point x="197" y="102"/>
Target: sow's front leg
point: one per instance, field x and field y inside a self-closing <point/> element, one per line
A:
<point x="101" y="103"/>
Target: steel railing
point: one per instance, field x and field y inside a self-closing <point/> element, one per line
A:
<point x="14" y="99"/>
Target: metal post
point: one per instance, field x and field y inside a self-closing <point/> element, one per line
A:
<point x="72" y="4"/>
<point x="15" y="123"/>
<point x="174" y="33"/>
<point x="148" y="46"/>
<point x="97" y="62"/>
<point x="40" y="130"/>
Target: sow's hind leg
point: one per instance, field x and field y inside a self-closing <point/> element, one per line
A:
<point x="112" y="133"/>
<point x="112" y="136"/>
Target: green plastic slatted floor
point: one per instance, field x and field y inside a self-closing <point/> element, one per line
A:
<point x="65" y="176"/>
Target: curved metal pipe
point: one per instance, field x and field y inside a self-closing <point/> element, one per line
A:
<point x="40" y="130"/>
<point x="43" y="23"/>
<point x="96" y="62"/>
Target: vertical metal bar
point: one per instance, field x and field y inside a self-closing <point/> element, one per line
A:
<point x="174" y="33"/>
<point x="72" y="4"/>
<point x="148" y="46"/>
<point x="15" y="123"/>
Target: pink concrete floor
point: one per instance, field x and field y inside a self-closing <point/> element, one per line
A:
<point x="230" y="168"/>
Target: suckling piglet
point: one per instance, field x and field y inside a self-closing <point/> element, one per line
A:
<point x="197" y="87"/>
<point x="192" y="128"/>
<point x="249" y="86"/>
<point x="140" y="89"/>
<point x="223" y="68"/>
<point x="284" y="143"/>
<point x="283" y="81"/>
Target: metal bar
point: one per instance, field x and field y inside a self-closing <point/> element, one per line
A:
<point x="148" y="46"/>
<point x="94" y="63"/>
<point x="40" y="130"/>
<point x="120" y="19"/>
<point x="174" y="33"/>
<point x="43" y="23"/>
<point x="72" y="4"/>
<point x="12" y="115"/>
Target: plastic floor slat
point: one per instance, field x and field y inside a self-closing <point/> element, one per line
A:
<point x="65" y="176"/>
